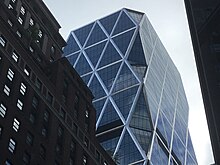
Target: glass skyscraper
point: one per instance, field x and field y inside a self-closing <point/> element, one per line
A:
<point x="141" y="107"/>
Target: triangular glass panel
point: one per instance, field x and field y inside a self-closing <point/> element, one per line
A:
<point x="178" y="149"/>
<point x="110" y="116"/>
<point x="96" y="35"/>
<point x="86" y="78"/>
<point x="159" y="155"/>
<point x="125" y="79"/>
<point x="109" y="140"/>
<point x="161" y="131"/>
<point x="96" y="88"/>
<point x="141" y="118"/>
<point x="109" y="22"/>
<point x="139" y="71"/>
<point x="72" y="58"/>
<point x="71" y="46"/>
<point x="82" y="65"/>
<point x="143" y="137"/>
<point x="168" y="129"/>
<point x="94" y="52"/>
<point x="108" y="74"/>
<point x="136" y="56"/>
<point x="98" y="105"/>
<point x="124" y="23"/>
<point x="82" y="33"/>
<point x="110" y="55"/>
<point x="122" y="41"/>
<point x="125" y="99"/>
<point x="136" y="16"/>
<point x="128" y="151"/>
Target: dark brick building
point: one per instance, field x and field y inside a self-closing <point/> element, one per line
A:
<point x="203" y="17"/>
<point x="46" y="112"/>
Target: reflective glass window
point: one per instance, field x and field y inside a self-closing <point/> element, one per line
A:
<point x="96" y="35"/>
<point x="82" y="33"/>
<point x="125" y="99"/>
<point x="109" y="22"/>
<point x="108" y="74"/>
<point x="124" y="23"/>
<point x="122" y="41"/>
<point x="71" y="47"/>
<point x="94" y="52"/>
<point x="82" y="65"/>
<point x="98" y="105"/>
<point x="110" y="55"/>
<point x="96" y="88"/>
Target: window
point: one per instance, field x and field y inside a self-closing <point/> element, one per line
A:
<point x="15" y="56"/>
<point x="7" y="90"/>
<point x="22" y="89"/>
<point x="84" y="160"/>
<point x="10" y="74"/>
<point x="29" y="139"/>
<point x="16" y="124"/>
<point x="2" y="110"/>
<point x="2" y="41"/>
<point x="60" y="131"/>
<point x="10" y="23"/>
<point x="26" y="158"/>
<point x="62" y="113"/>
<point x="32" y="118"/>
<point x="44" y="131"/>
<point x="19" y="104"/>
<point x="20" y="20"/>
<point x="40" y="34"/>
<point x="49" y="97"/>
<point x="31" y="22"/>
<point x="42" y="151"/>
<point x="22" y="11"/>
<point x="46" y="116"/>
<point x="7" y="162"/>
<point x="18" y="33"/>
<point x="27" y="70"/>
<point x="35" y="102"/>
<point x="1" y="130"/>
<point x="38" y="84"/>
<point x="11" y="145"/>
<point x="31" y="49"/>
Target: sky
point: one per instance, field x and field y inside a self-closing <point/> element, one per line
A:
<point x="169" y="20"/>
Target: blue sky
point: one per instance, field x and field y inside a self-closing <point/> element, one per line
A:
<point x="168" y="18"/>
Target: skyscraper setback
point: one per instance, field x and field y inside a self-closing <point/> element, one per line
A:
<point x="141" y="107"/>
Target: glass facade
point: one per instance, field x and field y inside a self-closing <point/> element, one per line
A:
<point x="142" y="110"/>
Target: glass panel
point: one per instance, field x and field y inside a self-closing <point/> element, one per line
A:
<point x="98" y="105"/>
<point x="96" y="88"/>
<point x="143" y="137"/>
<point x="168" y="129"/>
<point x="125" y="79"/>
<point x="136" y="55"/>
<point x="136" y="16"/>
<point x="155" y="156"/>
<point x="180" y="127"/>
<point x="109" y="22"/>
<point x="110" y="55"/>
<point x="190" y="160"/>
<point x="110" y="115"/>
<point x="86" y="78"/>
<point x="82" y="65"/>
<point x="122" y="41"/>
<point x="108" y="74"/>
<point x="71" y="46"/>
<point x="96" y="35"/>
<point x="125" y="99"/>
<point x="161" y="130"/>
<point x="141" y="117"/>
<point x="72" y="59"/>
<point x="124" y="23"/>
<point x="94" y="52"/>
<point x="178" y="148"/>
<point x="128" y="151"/>
<point x="82" y="33"/>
